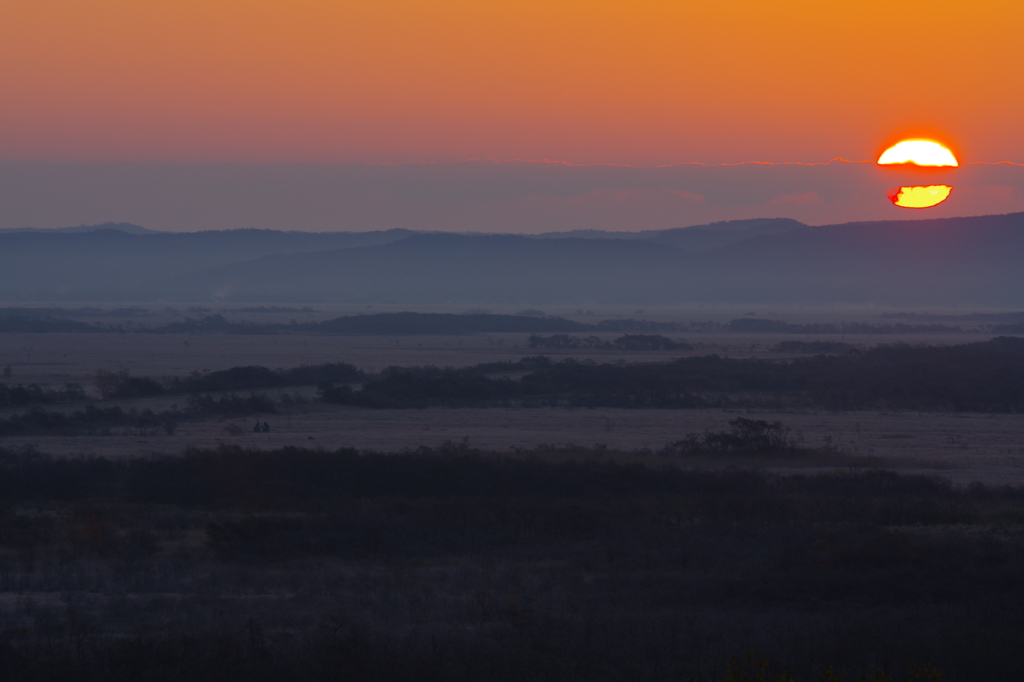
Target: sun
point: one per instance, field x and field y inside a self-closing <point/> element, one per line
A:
<point x="923" y="154"/>
<point x="919" y="197"/>
<point x="918" y="153"/>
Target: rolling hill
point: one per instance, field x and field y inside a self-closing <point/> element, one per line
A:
<point x="953" y="261"/>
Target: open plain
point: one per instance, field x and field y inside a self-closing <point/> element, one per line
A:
<point x="963" y="447"/>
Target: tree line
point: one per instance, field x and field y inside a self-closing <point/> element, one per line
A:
<point x="978" y="377"/>
<point x="112" y="385"/>
<point x="92" y="420"/>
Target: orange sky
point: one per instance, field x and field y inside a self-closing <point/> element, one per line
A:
<point x="640" y="82"/>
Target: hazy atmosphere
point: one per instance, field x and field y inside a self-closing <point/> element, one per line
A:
<point x="582" y="341"/>
<point x="477" y="196"/>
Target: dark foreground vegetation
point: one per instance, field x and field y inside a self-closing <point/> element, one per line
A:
<point x="457" y="565"/>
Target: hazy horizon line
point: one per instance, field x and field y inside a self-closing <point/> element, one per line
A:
<point x="497" y="234"/>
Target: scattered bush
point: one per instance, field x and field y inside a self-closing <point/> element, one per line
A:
<point x="122" y="385"/>
<point x="811" y="347"/>
<point x="745" y="437"/>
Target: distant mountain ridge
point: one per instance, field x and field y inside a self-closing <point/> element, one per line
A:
<point x="127" y="228"/>
<point x="738" y="228"/>
<point x="952" y="262"/>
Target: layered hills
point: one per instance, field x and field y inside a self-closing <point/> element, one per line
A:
<point x="953" y="261"/>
